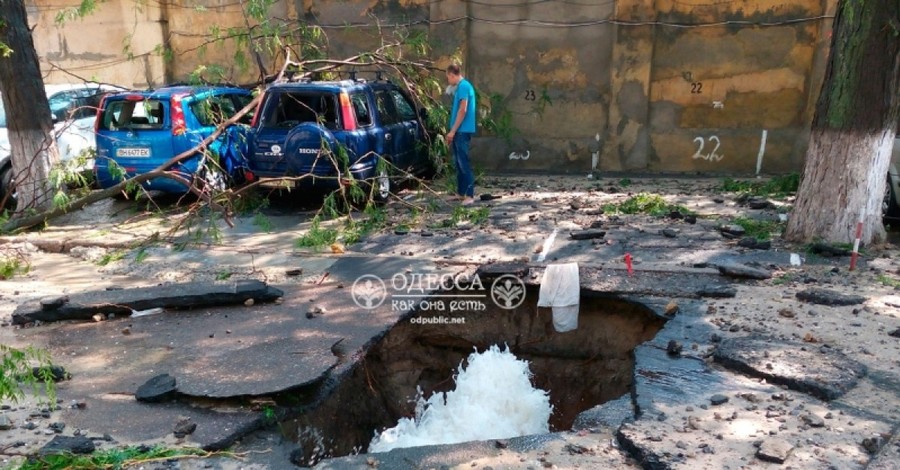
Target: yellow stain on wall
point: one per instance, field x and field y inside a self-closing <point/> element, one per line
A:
<point x="558" y="66"/>
<point x="679" y="90"/>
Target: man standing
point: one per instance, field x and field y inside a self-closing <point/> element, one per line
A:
<point x="462" y="126"/>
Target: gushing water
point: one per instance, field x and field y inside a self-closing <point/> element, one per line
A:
<point x="493" y="399"/>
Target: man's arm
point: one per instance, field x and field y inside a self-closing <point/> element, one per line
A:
<point x="460" y="116"/>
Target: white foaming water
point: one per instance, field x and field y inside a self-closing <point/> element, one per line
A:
<point x="493" y="399"/>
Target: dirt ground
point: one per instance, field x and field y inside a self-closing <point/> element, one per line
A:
<point x="105" y="245"/>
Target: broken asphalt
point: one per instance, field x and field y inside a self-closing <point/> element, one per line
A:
<point x="744" y="372"/>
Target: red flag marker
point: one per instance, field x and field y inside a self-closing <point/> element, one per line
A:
<point x="628" y="264"/>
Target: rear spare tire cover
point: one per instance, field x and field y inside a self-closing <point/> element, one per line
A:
<point x="309" y="146"/>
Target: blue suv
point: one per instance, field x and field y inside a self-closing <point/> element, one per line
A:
<point x="140" y="130"/>
<point x="320" y="130"/>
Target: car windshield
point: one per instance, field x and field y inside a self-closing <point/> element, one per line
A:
<point x="2" y="116"/>
<point x="215" y="110"/>
<point x="128" y="114"/>
<point x="292" y="109"/>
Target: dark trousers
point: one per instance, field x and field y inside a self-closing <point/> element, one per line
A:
<point x="465" y="178"/>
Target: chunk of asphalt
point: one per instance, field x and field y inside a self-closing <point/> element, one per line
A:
<point x="817" y="295"/>
<point x="637" y="444"/>
<point x="717" y="292"/>
<point x="718" y="399"/>
<point x="774" y="450"/>
<point x="53" y="303"/>
<point x="184" y="427"/>
<point x="158" y="389"/>
<point x="759" y="203"/>
<point x="85" y="305"/>
<point x="493" y="270"/>
<point x="733" y="230"/>
<point x="747" y="242"/>
<point x="588" y="234"/>
<point x="743" y="271"/>
<point x="824" y="373"/>
<point x="828" y="250"/>
<point x="68" y="444"/>
<point x="56" y="373"/>
<point x="753" y="243"/>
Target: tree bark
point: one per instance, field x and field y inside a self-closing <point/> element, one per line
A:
<point x="30" y="126"/>
<point x="853" y="129"/>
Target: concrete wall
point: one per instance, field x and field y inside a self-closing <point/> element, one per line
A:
<point x="594" y="84"/>
<point x="115" y="44"/>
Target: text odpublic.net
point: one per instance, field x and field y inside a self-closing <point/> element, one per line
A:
<point x="439" y="320"/>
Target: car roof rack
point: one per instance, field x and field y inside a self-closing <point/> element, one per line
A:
<point x="351" y="75"/>
<point x="201" y="84"/>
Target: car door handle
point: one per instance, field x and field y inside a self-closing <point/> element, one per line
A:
<point x="387" y="137"/>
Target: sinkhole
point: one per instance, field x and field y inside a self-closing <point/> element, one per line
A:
<point x="578" y="369"/>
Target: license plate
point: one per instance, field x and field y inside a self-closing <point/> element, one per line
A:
<point x="132" y="152"/>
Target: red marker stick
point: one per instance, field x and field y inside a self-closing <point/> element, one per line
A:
<point x="628" y="264"/>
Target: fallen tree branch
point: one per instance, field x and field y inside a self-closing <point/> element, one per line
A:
<point x="29" y="221"/>
<point x="406" y="69"/>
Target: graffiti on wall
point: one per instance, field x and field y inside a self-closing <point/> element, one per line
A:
<point x="711" y="156"/>
<point x="520" y="156"/>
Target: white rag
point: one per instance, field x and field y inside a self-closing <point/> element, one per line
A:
<point x="561" y="291"/>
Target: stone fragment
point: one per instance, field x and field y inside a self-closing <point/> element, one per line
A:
<point x="718" y="399"/>
<point x="738" y="270"/>
<point x="821" y="296"/>
<point x="774" y="450"/>
<point x="158" y="389"/>
<point x="68" y="444"/>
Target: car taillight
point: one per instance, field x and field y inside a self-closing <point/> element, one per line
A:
<point x="347" y="114"/>
<point x="99" y="116"/>
<point x="179" y="127"/>
<point x="134" y="97"/>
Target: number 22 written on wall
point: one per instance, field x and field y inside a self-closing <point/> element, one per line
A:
<point x="711" y="156"/>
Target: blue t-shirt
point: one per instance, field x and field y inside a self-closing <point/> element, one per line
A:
<point x="464" y="91"/>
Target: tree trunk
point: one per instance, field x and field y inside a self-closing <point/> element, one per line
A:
<point x="29" y="123"/>
<point x="853" y="129"/>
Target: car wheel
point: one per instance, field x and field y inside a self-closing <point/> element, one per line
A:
<point x="213" y="179"/>
<point x="377" y="188"/>
<point x="889" y="206"/>
<point x="7" y="189"/>
<point x="382" y="188"/>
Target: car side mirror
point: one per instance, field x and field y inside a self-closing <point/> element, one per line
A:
<point x="423" y="115"/>
<point x="54" y="118"/>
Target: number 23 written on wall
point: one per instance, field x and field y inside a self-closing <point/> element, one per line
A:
<point x="711" y="156"/>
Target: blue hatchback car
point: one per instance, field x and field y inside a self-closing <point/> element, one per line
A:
<point x="303" y="129"/>
<point x="140" y="130"/>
